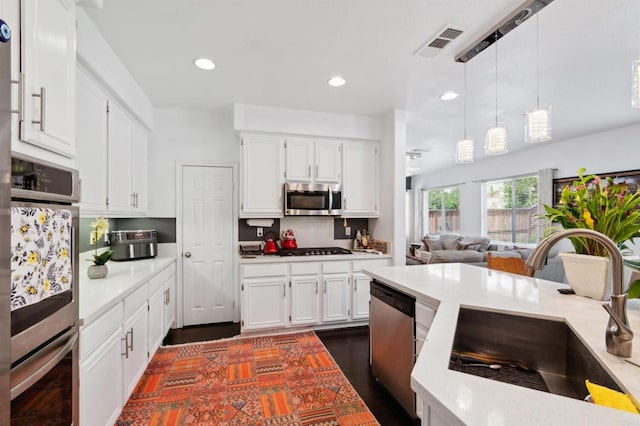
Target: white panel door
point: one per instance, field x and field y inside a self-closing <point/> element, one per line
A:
<point x="328" y="162"/>
<point x="336" y="297"/>
<point x="49" y="66"/>
<point x="299" y="160"/>
<point x="120" y="131"/>
<point x="207" y="224"/>
<point x="304" y="300"/>
<point x="92" y="144"/>
<point x="139" y="167"/>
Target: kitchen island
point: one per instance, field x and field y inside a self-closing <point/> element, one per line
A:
<point x="451" y="397"/>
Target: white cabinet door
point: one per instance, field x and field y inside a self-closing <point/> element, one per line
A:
<point x="305" y="299"/>
<point x="139" y="168"/>
<point x="48" y="59"/>
<point x="262" y="176"/>
<point x="335" y="297"/>
<point x="360" y="304"/>
<point x="170" y="301"/>
<point x="101" y="383"/>
<point x="120" y="129"/>
<point x="135" y="348"/>
<point x="360" y="179"/>
<point x="328" y="162"/>
<point x="299" y="160"/>
<point x="156" y="320"/>
<point x="265" y="303"/>
<point x="92" y="144"/>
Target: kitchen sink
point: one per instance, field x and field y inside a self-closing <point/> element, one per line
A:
<point x="537" y="353"/>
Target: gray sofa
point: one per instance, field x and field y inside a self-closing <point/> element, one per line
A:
<point x="453" y="248"/>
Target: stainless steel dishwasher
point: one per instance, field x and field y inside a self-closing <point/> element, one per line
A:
<point x="392" y="340"/>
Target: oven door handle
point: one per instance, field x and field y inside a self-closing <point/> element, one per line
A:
<point x="36" y="366"/>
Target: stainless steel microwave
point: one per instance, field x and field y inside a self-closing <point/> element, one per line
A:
<point x="309" y="199"/>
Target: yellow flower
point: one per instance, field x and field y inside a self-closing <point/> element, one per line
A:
<point x="42" y="218"/>
<point x="100" y="227"/>
<point x="63" y="253"/>
<point x="32" y="258"/>
<point x="47" y="285"/>
<point x="588" y="219"/>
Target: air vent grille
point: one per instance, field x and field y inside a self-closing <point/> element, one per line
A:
<point x="437" y="43"/>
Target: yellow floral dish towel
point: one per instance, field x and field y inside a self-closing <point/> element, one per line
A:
<point x="610" y="398"/>
<point x="41" y="263"/>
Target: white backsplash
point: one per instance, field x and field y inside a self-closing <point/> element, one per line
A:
<point x="313" y="231"/>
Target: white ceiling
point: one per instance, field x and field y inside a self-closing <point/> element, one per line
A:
<point x="281" y="53"/>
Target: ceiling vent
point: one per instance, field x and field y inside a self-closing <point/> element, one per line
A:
<point x="435" y="45"/>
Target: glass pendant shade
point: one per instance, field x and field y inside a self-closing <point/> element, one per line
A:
<point x="635" y="97"/>
<point x="464" y="151"/>
<point x="496" y="141"/>
<point x="538" y="125"/>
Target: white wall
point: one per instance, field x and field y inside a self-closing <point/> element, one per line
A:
<point x="185" y="135"/>
<point x="614" y="150"/>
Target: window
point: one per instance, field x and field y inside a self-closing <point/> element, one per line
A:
<point x="441" y="209"/>
<point x="510" y="209"/>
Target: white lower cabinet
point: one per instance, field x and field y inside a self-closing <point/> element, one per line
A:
<point x="335" y="297"/>
<point x="423" y="320"/>
<point x="170" y="298"/>
<point x="101" y="386"/>
<point x="305" y="299"/>
<point x="116" y="347"/>
<point x="360" y="297"/>
<point x="265" y="302"/>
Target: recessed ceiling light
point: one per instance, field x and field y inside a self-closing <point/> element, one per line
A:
<point x="449" y="96"/>
<point x="204" y="64"/>
<point x="336" y="81"/>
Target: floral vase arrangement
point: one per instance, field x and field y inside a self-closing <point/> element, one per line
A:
<point x="602" y="205"/>
<point x="99" y="269"/>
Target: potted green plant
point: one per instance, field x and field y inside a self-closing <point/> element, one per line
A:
<point x="99" y="227"/>
<point x="603" y="205"/>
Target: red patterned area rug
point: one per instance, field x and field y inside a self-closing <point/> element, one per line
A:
<point x="288" y="379"/>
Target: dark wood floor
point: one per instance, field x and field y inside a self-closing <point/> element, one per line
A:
<point x="349" y="347"/>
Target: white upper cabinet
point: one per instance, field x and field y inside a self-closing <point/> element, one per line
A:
<point x="92" y="144"/>
<point x="48" y="66"/>
<point x="262" y="176"/>
<point x="313" y="161"/>
<point x="139" y="168"/>
<point x="360" y="179"/>
<point x="120" y="131"/>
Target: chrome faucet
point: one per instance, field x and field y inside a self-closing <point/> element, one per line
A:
<point x="618" y="335"/>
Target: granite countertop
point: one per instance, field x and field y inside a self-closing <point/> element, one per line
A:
<point x="460" y="398"/>
<point x="320" y="258"/>
<point x="98" y="296"/>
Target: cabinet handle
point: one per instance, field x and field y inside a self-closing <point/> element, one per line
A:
<point x="133" y="202"/>
<point x="125" y="339"/>
<point x="316" y="286"/>
<point x="130" y="332"/>
<point x="316" y="171"/>
<point x="168" y="296"/>
<point x="309" y="172"/>
<point x="284" y="290"/>
<point x="43" y="99"/>
<point x="325" y="286"/>
<point x="355" y="285"/>
<point x="20" y="83"/>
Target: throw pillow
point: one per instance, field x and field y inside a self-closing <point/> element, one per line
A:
<point x="449" y="241"/>
<point x="424" y="255"/>
<point x="431" y="244"/>
<point x="468" y="244"/>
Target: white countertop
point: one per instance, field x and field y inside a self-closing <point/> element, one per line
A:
<point x="98" y="296"/>
<point x="460" y="398"/>
<point x="320" y="258"/>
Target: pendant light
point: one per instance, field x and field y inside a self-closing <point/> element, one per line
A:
<point x="635" y="95"/>
<point x="464" y="147"/>
<point x="537" y="126"/>
<point x="496" y="140"/>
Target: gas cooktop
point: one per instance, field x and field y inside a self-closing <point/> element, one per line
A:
<point x="314" y="251"/>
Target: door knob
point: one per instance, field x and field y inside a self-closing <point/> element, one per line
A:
<point x="187" y="254"/>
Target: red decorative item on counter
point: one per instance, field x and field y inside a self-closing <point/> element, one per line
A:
<point x="289" y="240"/>
<point x="270" y="246"/>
